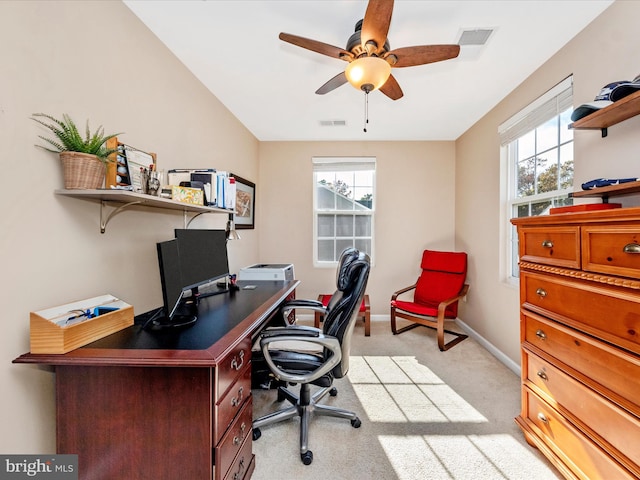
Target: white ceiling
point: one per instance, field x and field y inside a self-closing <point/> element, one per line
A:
<point x="233" y="48"/>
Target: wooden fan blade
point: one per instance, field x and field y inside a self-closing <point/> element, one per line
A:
<point x="332" y="84"/>
<point x="315" y="46"/>
<point x="375" y="25"/>
<point x="391" y="88"/>
<point x="423" y="54"/>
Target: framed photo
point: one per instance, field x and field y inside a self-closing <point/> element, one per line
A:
<point x="244" y="217"/>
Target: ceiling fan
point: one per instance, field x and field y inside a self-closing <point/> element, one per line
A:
<point x="369" y="56"/>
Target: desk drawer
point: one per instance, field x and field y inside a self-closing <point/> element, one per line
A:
<point x="607" y="312"/>
<point x="234" y="439"/>
<point x="587" y="460"/>
<point x="614" y="425"/>
<point x="243" y="464"/>
<point x="230" y="404"/>
<point x="612" y="250"/>
<point x="230" y="367"/>
<point x="558" y="246"/>
<point x="602" y="363"/>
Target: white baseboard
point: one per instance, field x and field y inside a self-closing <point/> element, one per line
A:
<point x="510" y="364"/>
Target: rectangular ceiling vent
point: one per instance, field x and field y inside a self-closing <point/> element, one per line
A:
<point x="333" y="123"/>
<point x="478" y="36"/>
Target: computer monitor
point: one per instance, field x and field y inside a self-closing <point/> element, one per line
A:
<point x="203" y="256"/>
<point x="172" y="286"/>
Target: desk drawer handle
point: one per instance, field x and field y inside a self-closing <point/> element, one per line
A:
<point x="547" y="244"/>
<point x="235" y="401"/>
<point x="541" y="335"/>
<point x="543" y="418"/>
<point x="237" y="440"/>
<point x="541" y="292"/>
<point x="542" y="375"/>
<point x="234" y="363"/>
<point x="240" y="473"/>
<point x="631" y="248"/>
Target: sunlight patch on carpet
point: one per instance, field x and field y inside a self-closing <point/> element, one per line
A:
<point x="461" y="457"/>
<point x="399" y="389"/>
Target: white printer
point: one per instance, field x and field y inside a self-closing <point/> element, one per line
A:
<point x="267" y="271"/>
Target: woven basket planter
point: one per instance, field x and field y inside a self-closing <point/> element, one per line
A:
<point x="82" y="171"/>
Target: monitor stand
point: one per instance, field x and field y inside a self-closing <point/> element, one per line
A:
<point x="184" y="316"/>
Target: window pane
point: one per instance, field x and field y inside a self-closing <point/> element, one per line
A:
<point x="547" y="135"/>
<point x="364" y="245"/>
<point x="547" y="172"/>
<point x="526" y="175"/>
<point x="566" y="134"/>
<point x="326" y="251"/>
<point x="363" y="226"/>
<point x="344" y="226"/>
<point x="566" y="166"/>
<point x="326" y="225"/>
<point x="540" y="208"/>
<point x="526" y="145"/>
<point x="522" y="210"/>
<point x="325" y="197"/>
<point x="341" y="245"/>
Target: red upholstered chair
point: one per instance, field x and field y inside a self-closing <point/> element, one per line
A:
<point x="436" y="294"/>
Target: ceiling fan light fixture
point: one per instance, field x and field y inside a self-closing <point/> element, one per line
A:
<point x="368" y="73"/>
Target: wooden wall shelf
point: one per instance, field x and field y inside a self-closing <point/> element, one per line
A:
<point x="626" y="188"/>
<point x="127" y="199"/>
<point x="606" y="117"/>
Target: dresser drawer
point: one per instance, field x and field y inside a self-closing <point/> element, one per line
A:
<point x="599" y="362"/>
<point x="586" y="459"/>
<point x="558" y="246"/>
<point x="610" y="313"/>
<point x="233" y="440"/>
<point x="612" y="250"/>
<point x="616" y="426"/>
<point x="230" y="367"/>
<point x="231" y="403"/>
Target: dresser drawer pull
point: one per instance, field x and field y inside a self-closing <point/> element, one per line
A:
<point x="235" y="401"/>
<point x="542" y="375"/>
<point x="234" y="363"/>
<point x="547" y="244"/>
<point x="541" y="292"/>
<point x="543" y="418"/>
<point x="237" y="440"/>
<point x="631" y="248"/>
<point x="541" y="335"/>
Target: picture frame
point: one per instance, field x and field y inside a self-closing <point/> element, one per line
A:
<point x="244" y="216"/>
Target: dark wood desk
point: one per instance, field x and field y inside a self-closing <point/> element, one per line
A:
<point x="166" y="405"/>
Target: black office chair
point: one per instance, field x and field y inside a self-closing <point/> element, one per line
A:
<point x="317" y="368"/>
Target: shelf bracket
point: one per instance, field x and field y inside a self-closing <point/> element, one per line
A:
<point x="604" y="132"/>
<point x="104" y="218"/>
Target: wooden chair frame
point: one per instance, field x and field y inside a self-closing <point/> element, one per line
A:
<point x="436" y="323"/>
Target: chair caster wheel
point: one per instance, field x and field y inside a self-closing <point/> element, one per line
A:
<point x="333" y="392"/>
<point x="355" y="423"/>
<point x="256" y="434"/>
<point x="307" y="457"/>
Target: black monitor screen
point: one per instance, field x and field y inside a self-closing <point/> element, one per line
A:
<point x="170" y="275"/>
<point x="203" y="256"/>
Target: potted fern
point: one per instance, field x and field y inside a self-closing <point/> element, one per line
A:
<point x="84" y="158"/>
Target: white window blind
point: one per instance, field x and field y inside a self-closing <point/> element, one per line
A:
<point x="547" y="106"/>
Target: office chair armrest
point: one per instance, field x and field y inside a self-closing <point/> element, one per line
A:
<point x="445" y="303"/>
<point x="403" y="290"/>
<point x="327" y="342"/>
<point x="301" y="330"/>
<point x="302" y="304"/>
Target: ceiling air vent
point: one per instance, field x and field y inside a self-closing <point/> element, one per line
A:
<point x="478" y="36"/>
<point x="333" y="123"/>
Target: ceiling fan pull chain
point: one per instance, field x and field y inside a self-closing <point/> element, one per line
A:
<point x="366" y="110"/>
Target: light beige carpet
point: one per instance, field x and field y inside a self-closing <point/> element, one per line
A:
<point x="425" y="414"/>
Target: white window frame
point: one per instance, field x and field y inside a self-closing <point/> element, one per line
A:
<point x="551" y="104"/>
<point x="343" y="164"/>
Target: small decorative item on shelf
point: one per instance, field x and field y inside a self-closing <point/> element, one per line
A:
<point x="83" y="158"/>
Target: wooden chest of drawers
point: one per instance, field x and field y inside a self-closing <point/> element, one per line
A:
<point x="580" y="341"/>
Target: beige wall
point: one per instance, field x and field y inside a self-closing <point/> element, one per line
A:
<point x="604" y="52"/>
<point x="92" y="60"/>
<point x="414" y="210"/>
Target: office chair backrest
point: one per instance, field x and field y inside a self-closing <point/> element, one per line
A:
<point x="340" y="319"/>
<point x="346" y="254"/>
<point x="443" y="275"/>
